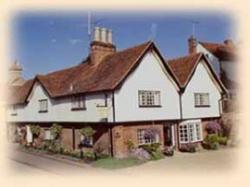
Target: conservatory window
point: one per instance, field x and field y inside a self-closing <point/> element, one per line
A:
<point x="190" y="132"/>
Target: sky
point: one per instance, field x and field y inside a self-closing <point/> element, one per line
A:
<point x="43" y="42"/>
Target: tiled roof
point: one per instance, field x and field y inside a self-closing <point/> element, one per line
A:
<point x="86" y="78"/>
<point x="183" y="67"/>
<point x="220" y="50"/>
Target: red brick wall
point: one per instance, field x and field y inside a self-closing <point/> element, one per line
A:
<point x="124" y="132"/>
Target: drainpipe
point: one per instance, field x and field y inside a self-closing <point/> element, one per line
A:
<point x="111" y="127"/>
<point x="181" y="117"/>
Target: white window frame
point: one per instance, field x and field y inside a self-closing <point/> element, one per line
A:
<point x="149" y="98"/>
<point x="142" y="140"/>
<point x="201" y="100"/>
<point x="190" y="132"/>
<point x="43" y="105"/>
<point x="78" y="103"/>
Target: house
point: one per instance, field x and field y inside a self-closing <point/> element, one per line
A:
<point x="222" y="57"/>
<point x="118" y="93"/>
<point x="122" y="95"/>
<point x="201" y="94"/>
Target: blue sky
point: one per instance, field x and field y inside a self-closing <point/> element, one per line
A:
<point x="47" y="41"/>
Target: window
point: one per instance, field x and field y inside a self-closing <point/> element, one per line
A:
<point x="78" y="103"/>
<point x="105" y="103"/>
<point x="149" y="98"/>
<point x="201" y="99"/>
<point x="190" y="132"/>
<point x="86" y="141"/>
<point x="48" y="135"/>
<point x="13" y="110"/>
<point x="145" y="137"/>
<point x="43" y="105"/>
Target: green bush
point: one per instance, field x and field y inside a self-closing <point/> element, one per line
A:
<point x="151" y="147"/>
<point x="56" y="130"/>
<point x="35" y="130"/>
<point x="211" y="142"/>
<point x="157" y="155"/>
<point x="222" y="140"/>
<point x="87" y="131"/>
<point x="130" y="145"/>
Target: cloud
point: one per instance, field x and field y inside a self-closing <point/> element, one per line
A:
<point x="74" y="41"/>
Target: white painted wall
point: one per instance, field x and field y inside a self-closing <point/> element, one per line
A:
<point x="213" y="60"/>
<point x="149" y="75"/>
<point x="201" y="82"/>
<point x="59" y="110"/>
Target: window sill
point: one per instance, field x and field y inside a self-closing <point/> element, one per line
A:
<point x="150" y="106"/>
<point x="43" y="111"/>
<point x="101" y="106"/>
<point x="13" y="114"/>
<point x="202" y="106"/>
<point x="77" y="109"/>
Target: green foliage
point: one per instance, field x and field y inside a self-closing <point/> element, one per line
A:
<point x="154" y="150"/>
<point x="52" y="146"/>
<point x="89" y="155"/>
<point x="211" y="142"/>
<point x="222" y="140"/>
<point x="151" y="147"/>
<point x="157" y="155"/>
<point x="87" y="131"/>
<point x="56" y="130"/>
<point x="35" y="130"/>
<point x="130" y="145"/>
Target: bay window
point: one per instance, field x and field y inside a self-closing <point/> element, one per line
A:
<point x="190" y="132"/>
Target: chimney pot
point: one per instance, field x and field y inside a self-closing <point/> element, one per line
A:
<point x="97" y="34"/>
<point x="104" y="35"/>
<point x="229" y="43"/>
<point x="109" y="34"/>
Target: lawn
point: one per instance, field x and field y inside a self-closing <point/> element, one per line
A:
<point x="114" y="163"/>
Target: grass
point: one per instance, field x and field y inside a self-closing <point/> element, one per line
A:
<point x="114" y="163"/>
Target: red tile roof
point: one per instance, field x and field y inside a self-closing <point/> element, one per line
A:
<point x="86" y="78"/>
<point x="221" y="50"/>
<point x="184" y="68"/>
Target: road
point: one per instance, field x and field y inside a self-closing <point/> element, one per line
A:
<point x="222" y="160"/>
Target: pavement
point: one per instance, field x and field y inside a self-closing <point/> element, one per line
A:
<point x="203" y="162"/>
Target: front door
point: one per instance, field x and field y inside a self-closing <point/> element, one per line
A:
<point x="168" y="138"/>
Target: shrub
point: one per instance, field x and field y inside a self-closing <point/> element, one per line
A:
<point x="157" y="155"/>
<point x="151" y="147"/>
<point x="213" y="128"/>
<point x="211" y="142"/>
<point x="56" y="130"/>
<point x="89" y="156"/>
<point x="87" y="131"/>
<point x="189" y="147"/>
<point x="35" y="130"/>
<point x="130" y="145"/>
<point x="222" y="140"/>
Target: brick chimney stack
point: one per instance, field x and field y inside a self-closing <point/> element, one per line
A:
<point x="229" y="43"/>
<point x="101" y="46"/>
<point x="192" y="44"/>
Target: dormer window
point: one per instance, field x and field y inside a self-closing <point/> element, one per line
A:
<point x="43" y="105"/>
<point x="78" y="103"/>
